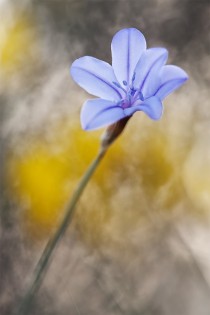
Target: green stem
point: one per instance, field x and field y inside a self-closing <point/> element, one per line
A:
<point x="47" y="253"/>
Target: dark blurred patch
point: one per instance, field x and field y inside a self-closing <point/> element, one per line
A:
<point x="182" y="25"/>
<point x="187" y="23"/>
<point x="83" y="22"/>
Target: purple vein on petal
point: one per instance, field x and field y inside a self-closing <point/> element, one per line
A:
<point x="128" y="57"/>
<point x="101" y="112"/>
<point x="104" y="81"/>
<point x="153" y="64"/>
<point x="163" y="84"/>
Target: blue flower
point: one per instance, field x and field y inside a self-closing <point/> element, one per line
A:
<point x="138" y="80"/>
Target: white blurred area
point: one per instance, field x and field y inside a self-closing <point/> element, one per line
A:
<point x="139" y="243"/>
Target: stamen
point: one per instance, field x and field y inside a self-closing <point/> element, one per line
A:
<point x="141" y="96"/>
<point x="134" y="76"/>
<point x="132" y="91"/>
<point x="119" y="86"/>
<point x="125" y="83"/>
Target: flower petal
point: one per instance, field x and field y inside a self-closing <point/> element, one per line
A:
<point x="96" y="77"/>
<point x="171" y="77"/>
<point x="152" y="107"/>
<point x="147" y="70"/>
<point x="98" y="113"/>
<point x="127" y="48"/>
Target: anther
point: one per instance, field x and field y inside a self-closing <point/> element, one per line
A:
<point x="134" y="76"/>
<point x="141" y="96"/>
<point x="132" y="91"/>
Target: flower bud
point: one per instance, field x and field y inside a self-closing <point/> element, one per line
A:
<point x="112" y="132"/>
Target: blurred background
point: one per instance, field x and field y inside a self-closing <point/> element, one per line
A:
<point x="139" y="242"/>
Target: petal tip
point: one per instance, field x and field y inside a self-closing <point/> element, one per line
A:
<point x="185" y="76"/>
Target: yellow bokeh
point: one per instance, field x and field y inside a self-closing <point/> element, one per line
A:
<point x="138" y="175"/>
<point x="196" y="175"/>
<point x="130" y="179"/>
<point x="45" y="174"/>
<point x="16" y="43"/>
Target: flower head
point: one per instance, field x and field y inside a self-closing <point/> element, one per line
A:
<point x="138" y="80"/>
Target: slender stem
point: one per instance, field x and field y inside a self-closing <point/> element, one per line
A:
<point x="53" y="241"/>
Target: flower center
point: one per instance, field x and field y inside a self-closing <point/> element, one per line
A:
<point x="131" y="94"/>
